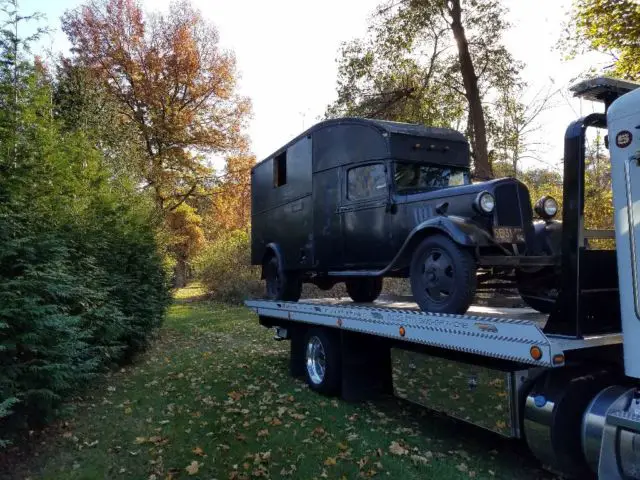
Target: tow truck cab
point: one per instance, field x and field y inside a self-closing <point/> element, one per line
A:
<point x="623" y="118"/>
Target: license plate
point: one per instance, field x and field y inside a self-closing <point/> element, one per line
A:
<point x="508" y="235"/>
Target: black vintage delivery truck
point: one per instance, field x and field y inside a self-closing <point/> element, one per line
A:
<point x="356" y="200"/>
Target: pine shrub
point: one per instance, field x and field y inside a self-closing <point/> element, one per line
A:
<point x="82" y="285"/>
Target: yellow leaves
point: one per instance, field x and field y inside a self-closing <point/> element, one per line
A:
<point x="330" y="461"/>
<point x="397" y="449"/>
<point x="193" y="468"/>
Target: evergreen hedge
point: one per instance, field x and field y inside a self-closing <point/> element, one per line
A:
<point x="82" y="285"/>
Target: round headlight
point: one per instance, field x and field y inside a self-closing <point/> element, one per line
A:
<point x="485" y="202"/>
<point x="547" y="207"/>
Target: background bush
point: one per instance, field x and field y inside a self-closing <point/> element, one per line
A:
<point x="225" y="269"/>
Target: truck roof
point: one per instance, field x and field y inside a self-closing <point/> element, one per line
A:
<point x="390" y="127"/>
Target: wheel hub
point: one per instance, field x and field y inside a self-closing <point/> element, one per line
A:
<point x="316" y="360"/>
<point x="438" y="275"/>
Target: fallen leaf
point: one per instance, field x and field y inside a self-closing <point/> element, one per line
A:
<point x="462" y="467"/>
<point x="397" y="449"/>
<point x="198" y="451"/>
<point x="263" y="433"/>
<point x="192" y="468"/>
<point x="330" y="461"/>
<point x="419" y="459"/>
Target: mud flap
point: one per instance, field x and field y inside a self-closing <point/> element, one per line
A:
<point x="366" y="367"/>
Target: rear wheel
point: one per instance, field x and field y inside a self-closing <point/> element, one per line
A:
<point x="537" y="289"/>
<point x="322" y="361"/>
<point x="281" y="285"/>
<point x="365" y="289"/>
<point x="443" y="276"/>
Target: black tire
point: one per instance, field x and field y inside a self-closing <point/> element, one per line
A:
<point x="541" y="304"/>
<point x="443" y="276"/>
<point x="280" y="285"/>
<point x="537" y="289"/>
<point x="365" y="289"/>
<point x="327" y="381"/>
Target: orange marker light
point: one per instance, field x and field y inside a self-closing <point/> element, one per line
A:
<point x="402" y="332"/>
<point x="558" y="359"/>
<point x="535" y="352"/>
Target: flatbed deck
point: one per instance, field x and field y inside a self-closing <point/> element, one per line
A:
<point x="496" y="332"/>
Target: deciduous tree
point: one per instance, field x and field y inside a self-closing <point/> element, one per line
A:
<point x="611" y="27"/>
<point x="434" y="62"/>
<point x="172" y="80"/>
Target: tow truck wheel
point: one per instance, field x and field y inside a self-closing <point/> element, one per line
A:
<point x="443" y="276"/>
<point x="364" y="289"/>
<point x="322" y="361"/>
<point x="280" y="285"/>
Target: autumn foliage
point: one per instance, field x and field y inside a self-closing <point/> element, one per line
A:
<point x="177" y="87"/>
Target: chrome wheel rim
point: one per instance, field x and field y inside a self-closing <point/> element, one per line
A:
<point x="316" y="360"/>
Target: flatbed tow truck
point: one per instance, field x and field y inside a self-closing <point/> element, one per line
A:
<point x="568" y="383"/>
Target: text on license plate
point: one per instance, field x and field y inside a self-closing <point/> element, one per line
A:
<point x="508" y="235"/>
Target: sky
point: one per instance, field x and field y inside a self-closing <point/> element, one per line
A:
<point x="286" y="54"/>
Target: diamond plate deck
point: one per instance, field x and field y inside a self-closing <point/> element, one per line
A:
<point x="506" y="334"/>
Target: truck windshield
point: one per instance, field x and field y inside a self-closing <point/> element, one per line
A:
<point x="421" y="176"/>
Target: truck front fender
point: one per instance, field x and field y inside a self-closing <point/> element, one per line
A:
<point x="457" y="229"/>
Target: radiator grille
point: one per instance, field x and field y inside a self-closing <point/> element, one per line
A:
<point x="508" y="211"/>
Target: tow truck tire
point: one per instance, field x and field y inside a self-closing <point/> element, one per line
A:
<point x="323" y="366"/>
<point x="363" y="290"/>
<point x="280" y="285"/>
<point x="443" y="276"/>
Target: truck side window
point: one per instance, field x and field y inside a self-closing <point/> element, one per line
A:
<point x="366" y="181"/>
<point x="280" y="169"/>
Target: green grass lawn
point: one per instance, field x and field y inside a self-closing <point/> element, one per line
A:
<point x="212" y="399"/>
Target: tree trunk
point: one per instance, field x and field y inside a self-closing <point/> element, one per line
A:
<point x="470" y="80"/>
<point x="181" y="273"/>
